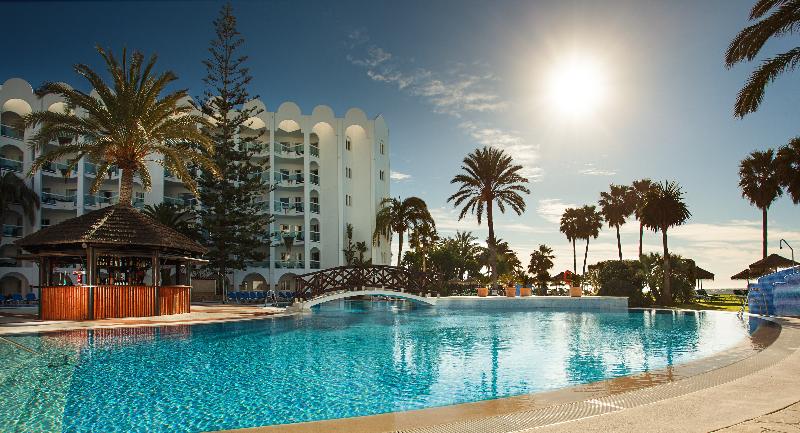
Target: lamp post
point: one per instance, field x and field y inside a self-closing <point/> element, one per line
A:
<point x="783" y="241"/>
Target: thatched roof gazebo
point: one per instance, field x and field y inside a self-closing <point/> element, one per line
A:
<point x="772" y="262"/>
<point x="124" y="264"/>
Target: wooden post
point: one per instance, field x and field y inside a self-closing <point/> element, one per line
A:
<point x="43" y="266"/>
<point x="156" y="265"/>
<point x="91" y="277"/>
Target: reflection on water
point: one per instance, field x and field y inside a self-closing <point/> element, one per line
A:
<point x="350" y="359"/>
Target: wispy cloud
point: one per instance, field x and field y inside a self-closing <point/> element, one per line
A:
<point x="551" y="209"/>
<point x="396" y="175"/>
<point x="461" y="91"/>
<point x="590" y="169"/>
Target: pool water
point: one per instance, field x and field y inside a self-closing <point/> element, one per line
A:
<point x="344" y="360"/>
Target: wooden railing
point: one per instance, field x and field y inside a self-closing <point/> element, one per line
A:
<point x="394" y="278"/>
<point x="105" y="302"/>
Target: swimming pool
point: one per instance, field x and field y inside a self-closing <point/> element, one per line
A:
<point x="348" y="359"/>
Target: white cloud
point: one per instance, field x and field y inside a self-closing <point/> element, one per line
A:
<point x="396" y="175"/>
<point x="551" y="209"/>
<point x="524" y="154"/>
<point x="590" y="169"/>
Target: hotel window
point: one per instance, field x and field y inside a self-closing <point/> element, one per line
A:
<point x="348" y="201"/>
<point x="348" y="172"/>
<point x="380" y="175"/>
<point x="383" y="149"/>
<point x="347" y="143"/>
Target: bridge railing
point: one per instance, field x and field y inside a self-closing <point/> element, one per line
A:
<point x="350" y="278"/>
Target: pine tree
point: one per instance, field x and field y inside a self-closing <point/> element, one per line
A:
<point x="233" y="217"/>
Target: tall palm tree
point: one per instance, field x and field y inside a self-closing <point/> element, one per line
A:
<point x="540" y="265"/>
<point x="616" y="205"/>
<point x="788" y="160"/>
<point x="176" y="217"/>
<point x="569" y="226"/>
<point x="590" y="221"/>
<point x="489" y="175"/>
<point x="773" y="18"/>
<point x="422" y="238"/>
<point x="126" y="125"/>
<point x="398" y="216"/>
<point x="14" y="191"/>
<point x="640" y="189"/>
<point x="664" y="207"/>
<point x="760" y="184"/>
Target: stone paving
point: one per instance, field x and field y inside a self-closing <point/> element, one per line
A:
<point x="786" y="420"/>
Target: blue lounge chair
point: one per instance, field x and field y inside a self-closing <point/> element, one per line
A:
<point x="261" y="295"/>
<point x="252" y="296"/>
<point x="30" y="297"/>
<point x="231" y="296"/>
<point x="16" y="298"/>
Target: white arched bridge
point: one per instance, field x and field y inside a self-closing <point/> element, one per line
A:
<point x="375" y="280"/>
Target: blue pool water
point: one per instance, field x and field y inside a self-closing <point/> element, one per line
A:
<point x="348" y="359"/>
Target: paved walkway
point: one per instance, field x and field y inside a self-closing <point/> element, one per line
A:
<point x="17" y="321"/>
<point x="786" y="420"/>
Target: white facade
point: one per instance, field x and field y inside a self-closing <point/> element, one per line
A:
<point x="328" y="171"/>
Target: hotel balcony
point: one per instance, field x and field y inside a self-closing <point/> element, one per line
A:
<point x="288" y="180"/>
<point x="91" y="170"/>
<point x="279" y="238"/>
<point x="285" y="208"/>
<point x="12" y="231"/>
<point x="314" y="236"/>
<point x="58" y="169"/>
<point x="314" y="208"/>
<point x="313" y="151"/>
<point x="187" y="202"/>
<point x="58" y="201"/>
<point x="99" y="201"/>
<point x="12" y="132"/>
<point x="314" y="264"/>
<point x="288" y="150"/>
<point x="10" y="165"/>
<point x="289" y="264"/>
<point x="314" y="179"/>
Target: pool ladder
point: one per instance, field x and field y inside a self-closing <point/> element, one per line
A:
<point x="756" y="289"/>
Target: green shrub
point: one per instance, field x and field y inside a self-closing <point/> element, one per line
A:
<point x="622" y="278"/>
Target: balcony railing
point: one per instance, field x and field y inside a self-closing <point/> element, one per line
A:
<point x="314" y="151"/>
<point x="58" y="168"/>
<point x="11" y="164"/>
<point x="138" y="202"/>
<point x="314" y="178"/>
<point x="281" y="235"/>
<point x="181" y="201"/>
<point x="261" y="264"/>
<point x="315" y="236"/>
<point x="313" y="207"/>
<point x="288" y="264"/>
<point x="12" y="231"/>
<point x="289" y="149"/>
<point x="314" y="264"/>
<point x="282" y="206"/>
<point x="97" y="200"/>
<point x="51" y="198"/>
<point x="12" y="132"/>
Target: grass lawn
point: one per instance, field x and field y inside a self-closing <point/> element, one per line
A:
<point x="718" y="302"/>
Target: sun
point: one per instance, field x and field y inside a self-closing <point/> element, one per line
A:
<point x="577" y="86"/>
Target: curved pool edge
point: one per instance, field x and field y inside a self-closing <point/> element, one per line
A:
<point x="770" y="345"/>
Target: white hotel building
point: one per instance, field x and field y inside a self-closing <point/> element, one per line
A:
<point x="327" y="171"/>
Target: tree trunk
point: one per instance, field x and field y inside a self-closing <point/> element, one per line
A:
<point x="585" y="256"/>
<point x="574" y="258"/>
<point x="492" y="256"/>
<point x="399" y="248"/>
<point x="619" y="245"/>
<point x="126" y="187"/>
<point x="641" y="235"/>
<point x="764" y="233"/>
<point x="666" y="293"/>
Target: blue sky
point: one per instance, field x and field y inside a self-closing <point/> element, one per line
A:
<point x="453" y="75"/>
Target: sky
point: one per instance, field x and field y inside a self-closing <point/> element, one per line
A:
<point x="451" y="76"/>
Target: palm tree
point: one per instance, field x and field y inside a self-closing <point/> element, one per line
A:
<point x="422" y="238"/>
<point x="398" y="216"/>
<point x="569" y="226"/>
<point x="616" y="205"/>
<point x="468" y="251"/>
<point x="178" y="218"/>
<point x="126" y="125"/>
<point x="640" y="189"/>
<point x="489" y="176"/>
<point x="590" y="221"/>
<point x="760" y="184"/>
<point x="540" y="265"/>
<point x="782" y="20"/>
<point x="664" y="208"/>
<point x="14" y="191"/>
<point x="788" y="161"/>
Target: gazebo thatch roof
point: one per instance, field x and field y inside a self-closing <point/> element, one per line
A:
<point x="773" y="261"/>
<point x="748" y="274"/>
<point x="113" y="226"/>
<point x="702" y="274"/>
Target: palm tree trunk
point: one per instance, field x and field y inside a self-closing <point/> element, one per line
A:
<point x="492" y="256"/>
<point x="126" y="187"/>
<point x="585" y="256"/>
<point x="764" y="233"/>
<point x="574" y="258"/>
<point x="619" y="245"/>
<point x="666" y="293"/>
<point x="641" y="236"/>
<point x="399" y="248"/>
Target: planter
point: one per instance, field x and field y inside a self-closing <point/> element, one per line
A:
<point x="575" y="292"/>
<point x="525" y="291"/>
<point x="483" y="292"/>
<point x="511" y="292"/>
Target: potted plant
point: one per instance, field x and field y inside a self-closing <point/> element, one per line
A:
<point x="483" y="292"/>
<point x="511" y="291"/>
<point x="525" y="291"/>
